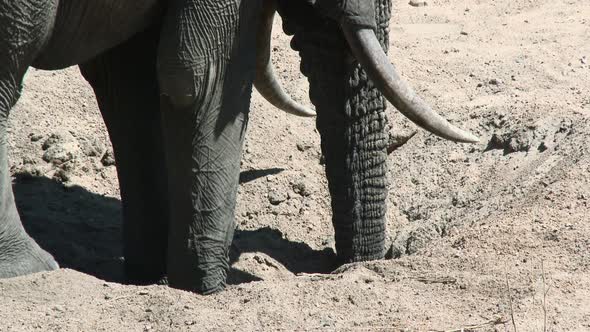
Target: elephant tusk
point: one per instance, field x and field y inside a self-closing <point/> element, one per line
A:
<point x="266" y="81"/>
<point x="367" y="50"/>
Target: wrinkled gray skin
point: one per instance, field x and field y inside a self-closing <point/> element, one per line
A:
<point x="173" y="81"/>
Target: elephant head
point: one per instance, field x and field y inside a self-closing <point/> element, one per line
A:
<point x="206" y="69"/>
<point x="343" y="44"/>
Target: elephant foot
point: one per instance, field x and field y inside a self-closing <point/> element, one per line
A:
<point x="144" y="274"/>
<point x="25" y="258"/>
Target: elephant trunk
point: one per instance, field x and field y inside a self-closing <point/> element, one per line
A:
<point x="352" y="123"/>
<point x="354" y="143"/>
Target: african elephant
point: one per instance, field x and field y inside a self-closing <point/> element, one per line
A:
<point x="173" y="81"/>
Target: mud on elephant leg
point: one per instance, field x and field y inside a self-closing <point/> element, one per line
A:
<point x="125" y="83"/>
<point x="206" y="70"/>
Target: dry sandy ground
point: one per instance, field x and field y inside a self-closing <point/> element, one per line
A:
<point x="494" y="236"/>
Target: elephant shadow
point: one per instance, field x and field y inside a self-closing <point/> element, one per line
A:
<point x="83" y="231"/>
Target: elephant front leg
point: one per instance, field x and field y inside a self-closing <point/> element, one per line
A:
<point x="20" y="42"/>
<point x="19" y="253"/>
<point x="206" y="70"/>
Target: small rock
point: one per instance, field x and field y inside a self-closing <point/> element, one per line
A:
<point x="28" y="160"/>
<point x="464" y="33"/>
<point x="544" y="146"/>
<point x="583" y="60"/>
<point x="35" y="137"/>
<point x="60" y="153"/>
<point x="108" y="159"/>
<point x="61" y="175"/>
<point x="495" y="81"/>
<point x="276" y="197"/>
<point x="91" y="147"/>
<point x="58" y="308"/>
<point x="59" y="137"/>
<point x="60" y="147"/>
<point x="30" y="171"/>
<point x="552" y="236"/>
<point x="417" y="3"/>
<point x="97" y="166"/>
<point x="301" y="146"/>
<point x="302" y="187"/>
<point x="69" y="166"/>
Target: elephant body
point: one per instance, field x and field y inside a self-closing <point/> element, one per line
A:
<point x="173" y="80"/>
<point x="76" y="33"/>
<point x="177" y="157"/>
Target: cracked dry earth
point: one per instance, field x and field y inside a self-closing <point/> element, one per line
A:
<point x="493" y="236"/>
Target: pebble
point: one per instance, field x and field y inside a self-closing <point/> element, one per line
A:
<point x="59" y="137"/>
<point x="276" y="197"/>
<point x="417" y="3"/>
<point x="61" y="175"/>
<point x="108" y="159"/>
<point x="58" y="308"/>
<point x="60" y="153"/>
<point x="35" y="137"/>
<point x="31" y="171"/>
<point x="495" y="81"/>
<point x="28" y="160"/>
<point x="91" y="147"/>
<point x="60" y="147"/>
<point x="302" y="188"/>
<point x="301" y="146"/>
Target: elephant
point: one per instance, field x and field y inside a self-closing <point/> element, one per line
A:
<point x="173" y="82"/>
